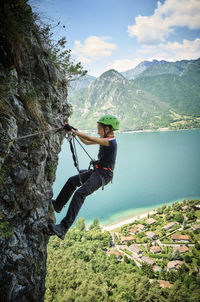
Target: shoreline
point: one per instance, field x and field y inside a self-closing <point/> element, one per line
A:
<point x="125" y="221"/>
<point x="165" y="129"/>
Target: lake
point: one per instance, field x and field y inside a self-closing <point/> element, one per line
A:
<point x="152" y="168"/>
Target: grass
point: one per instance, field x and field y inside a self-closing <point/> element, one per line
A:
<point x="30" y="104"/>
<point x="127" y="252"/>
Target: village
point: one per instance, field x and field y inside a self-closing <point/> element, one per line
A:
<point x="165" y="240"/>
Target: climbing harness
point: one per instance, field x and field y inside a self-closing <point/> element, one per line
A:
<point x="93" y="163"/>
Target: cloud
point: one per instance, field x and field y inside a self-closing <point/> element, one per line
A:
<point x="93" y="48"/>
<point x="171" y="51"/>
<point x="186" y="50"/>
<point x="123" y="65"/>
<point x="172" y="13"/>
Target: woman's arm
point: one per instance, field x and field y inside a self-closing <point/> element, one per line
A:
<point x="91" y="139"/>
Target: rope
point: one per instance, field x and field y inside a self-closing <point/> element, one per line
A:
<point x="77" y="161"/>
<point x="84" y="149"/>
<point x="74" y="155"/>
<point x="35" y="134"/>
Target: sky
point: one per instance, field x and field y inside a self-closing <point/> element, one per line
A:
<point x="119" y="34"/>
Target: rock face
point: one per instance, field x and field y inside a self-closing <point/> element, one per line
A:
<point x="32" y="99"/>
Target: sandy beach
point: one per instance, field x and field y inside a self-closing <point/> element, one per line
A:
<point x="126" y="221"/>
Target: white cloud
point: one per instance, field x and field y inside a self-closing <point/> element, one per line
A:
<point x="123" y="65"/>
<point x="186" y="50"/>
<point x="172" y="51"/>
<point x="93" y="48"/>
<point x="172" y="13"/>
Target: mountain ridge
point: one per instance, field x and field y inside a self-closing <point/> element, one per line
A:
<point x="162" y="95"/>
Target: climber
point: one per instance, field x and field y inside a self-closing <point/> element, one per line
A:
<point x="92" y="179"/>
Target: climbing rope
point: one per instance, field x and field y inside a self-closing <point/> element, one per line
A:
<point x="35" y="134"/>
<point x="84" y="149"/>
<point x="71" y="139"/>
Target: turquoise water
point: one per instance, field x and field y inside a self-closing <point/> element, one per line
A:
<point x="152" y="168"/>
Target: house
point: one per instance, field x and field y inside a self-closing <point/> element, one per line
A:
<point x="140" y="227"/>
<point x="135" y="250"/>
<point x="133" y="231"/>
<point x="150" y="221"/>
<point x="183" y="238"/>
<point x="174" y="265"/>
<point x="157" y="268"/>
<point x="155" y="249"/>
<point x="164" y="283"/>
<point x="151" y="235"/>
<point x="148" y="260"/>
<point x="125" y="239"/>
<point x="182" y="249"/>
<point x="113" y="252"/>
<point x="196" y="227"/>
<point x="169" y="226"/>
<point x="184" y="207"/>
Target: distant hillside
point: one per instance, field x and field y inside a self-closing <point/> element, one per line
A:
<point x="133" y="73"/>
<point x="155" y="67"/>
<point x="81" y="82"/>
<point x="163" y="95"/>
<point x="181" y="92"/>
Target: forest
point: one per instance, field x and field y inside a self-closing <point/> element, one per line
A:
<point x="80" y="269"/>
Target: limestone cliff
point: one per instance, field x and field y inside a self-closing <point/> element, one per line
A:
<point x="32" y="99"/>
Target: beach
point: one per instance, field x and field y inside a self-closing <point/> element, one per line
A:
<point x="119" y="224"/>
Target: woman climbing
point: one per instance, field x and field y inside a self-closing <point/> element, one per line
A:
<point x="92" y="179"/>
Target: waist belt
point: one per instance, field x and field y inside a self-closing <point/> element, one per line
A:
<point x="97" y="166"/>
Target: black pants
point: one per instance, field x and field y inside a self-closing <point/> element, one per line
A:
<point x="92" y="180"/>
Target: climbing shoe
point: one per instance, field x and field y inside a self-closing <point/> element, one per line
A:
<point x="55" y="206"/>
<point x="58" y="230"/>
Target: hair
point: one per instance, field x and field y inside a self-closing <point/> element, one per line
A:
<point x="105" y="126"/>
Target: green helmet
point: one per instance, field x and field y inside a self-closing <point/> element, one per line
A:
<point x="109" y="120"/>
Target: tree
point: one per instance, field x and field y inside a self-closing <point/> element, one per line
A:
<point x="197" y="246"/>
<point x="191" y="216"/>
<point x="176" y="206"/>
<point x="147" y="270"/>
<point x="179" y="217"/>
<point x="170" y="256"/>
<point x="177" y="255"/>
<point x="80" y="224"/>
<point x="95" y="224"/>
<point x="188" y="259"/>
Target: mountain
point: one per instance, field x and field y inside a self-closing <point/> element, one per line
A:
<point x="135" y="72"/>
<point x="181" y="92"/>
<point x="164" y="94"/>
<point x="80" y="82"/>
<point x="155" y="67"/>
<point x="164" y="67"/>
<point x="112" y="93"/>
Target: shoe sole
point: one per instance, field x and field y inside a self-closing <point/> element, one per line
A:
<point x="56" y="210"/>
<point x="56" y="233"/>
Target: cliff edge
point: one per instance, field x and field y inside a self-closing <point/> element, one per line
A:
<point x="32" y="99"/>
